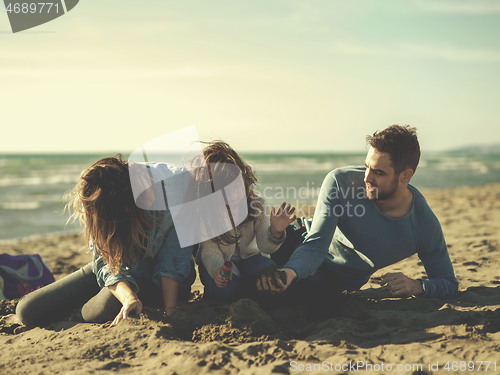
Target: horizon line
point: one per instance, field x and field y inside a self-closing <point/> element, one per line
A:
<point x="466" y="148"/>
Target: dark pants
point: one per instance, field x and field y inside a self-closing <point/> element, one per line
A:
<point x="237" y="286"/>
<point x="81" y="291"/>
<point x="322" y="282"/>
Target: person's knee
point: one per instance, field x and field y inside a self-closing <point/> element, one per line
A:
<point x="250" y="267"/>
<point x="229" y="293"/>
<point x="102" y="308"/>
<point x="27" y="310"/>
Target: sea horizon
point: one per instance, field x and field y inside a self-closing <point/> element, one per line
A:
<point x="32" y="185"/>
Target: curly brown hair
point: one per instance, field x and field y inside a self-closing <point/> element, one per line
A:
<point x="401" y="143"/>
<point x="219" y="155"/>
<point x="103" y="202"/>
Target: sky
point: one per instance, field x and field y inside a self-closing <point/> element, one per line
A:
<point x="263" y="75"/>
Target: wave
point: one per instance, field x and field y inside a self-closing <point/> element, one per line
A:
<point x="37" y="180"/>
<point x="21" y="205"/>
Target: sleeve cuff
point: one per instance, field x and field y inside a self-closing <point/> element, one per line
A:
<point x="179" y="271"/>
<point x="424" y="287"/>
<point x="275" y="240"/>
<point x="292" y="267"/>
<point x="173" y="276"/>
<point x="114" y="279"/>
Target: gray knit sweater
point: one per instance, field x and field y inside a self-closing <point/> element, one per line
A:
<point x="213" y="254"/>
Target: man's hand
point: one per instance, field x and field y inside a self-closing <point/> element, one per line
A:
<point x="281" y="218"/>
<point x="400" y="285"/>
<point x="220" y="280"/>
<point x="265" y="283"/>
<point x="130" y="304"/>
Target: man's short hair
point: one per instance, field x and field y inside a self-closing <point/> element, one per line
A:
<point x="401" y="143"/>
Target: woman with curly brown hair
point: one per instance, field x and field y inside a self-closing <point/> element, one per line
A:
<point x="137" y="257"/>
<point x="265" y="226"/>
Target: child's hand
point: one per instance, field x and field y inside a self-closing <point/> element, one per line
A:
<point x="281" y="218"/>
<point x="220" y="280"/>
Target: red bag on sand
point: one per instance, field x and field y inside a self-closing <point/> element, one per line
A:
<point x="23" y="273"/>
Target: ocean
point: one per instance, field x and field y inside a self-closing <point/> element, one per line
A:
<point x="32" y="186"/>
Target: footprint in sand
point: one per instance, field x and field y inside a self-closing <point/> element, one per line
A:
<point x="471" y="264"/>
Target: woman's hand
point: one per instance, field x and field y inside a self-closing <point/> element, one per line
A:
<point x="130" y="304"/>
<point x="281" y="219"/>
<point x="220" y="280"/>
<point x="129" y="300"/>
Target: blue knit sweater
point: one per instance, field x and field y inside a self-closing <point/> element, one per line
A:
<point x="355" y="239"/>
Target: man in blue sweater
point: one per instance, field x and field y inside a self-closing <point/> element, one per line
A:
<point x="368" y="218"/>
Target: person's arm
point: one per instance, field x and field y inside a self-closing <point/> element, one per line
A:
<point x="170" y="290"/>
<point x="442" y="282"/>
<point x="433" y="253"/>
<point x="105" y="278"/>
<point x="212" y="255"/>
<point x="212" y="258"/>
<point x="172" y="266"/>
<point x="123" y="286"/>
<point x="129" y="300"/>
<point x="307" y="258"/>
<point x="270" y="226"/>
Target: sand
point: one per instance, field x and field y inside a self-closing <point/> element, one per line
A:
<point x="348" y="334"/>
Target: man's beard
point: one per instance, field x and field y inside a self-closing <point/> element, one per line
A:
<point x="384" y="195"/>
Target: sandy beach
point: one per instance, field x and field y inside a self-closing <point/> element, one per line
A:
<point x="361" y="332"/>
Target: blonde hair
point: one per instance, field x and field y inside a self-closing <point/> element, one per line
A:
<point x="103" y="202"/>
